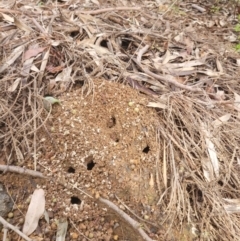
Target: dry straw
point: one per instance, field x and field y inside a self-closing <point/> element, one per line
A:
<point x="193" y="88"/>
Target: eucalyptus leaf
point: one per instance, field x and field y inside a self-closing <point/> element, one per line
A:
<point x="52" y="100"/>
<point x="35" y="211"/>
<point x="48" y="101"/>
<point x="62" y="229"/>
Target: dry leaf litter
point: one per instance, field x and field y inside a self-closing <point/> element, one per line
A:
<point x="167" y="157"/>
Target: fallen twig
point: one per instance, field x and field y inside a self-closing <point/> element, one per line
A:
<point x="40" y="27"/>
<point x="135" y="85"/>
<point x="8" y="11"/>
<point x="142" y="52"/>
<point x="200" y="9"/>
<point x="95" y="12"/>
<point x="5" y="230"/>
<point x="153" y="224"/>
<point x="78" y="229"/>
<point x="127" y="218"/>
<point x="79" y="189"/>
<point x="16" y="230"/>
<point x="21" y="170"/>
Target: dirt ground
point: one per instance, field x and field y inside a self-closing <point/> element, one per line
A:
<point x="102" y="144"/>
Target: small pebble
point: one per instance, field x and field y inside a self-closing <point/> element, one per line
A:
<point x="91" y="235"/>
<point x="10" y="215"/>
<point x="146" y="217"/>
<point x="29" y="199"/>
<point x="82" y="226"/>
<point x="21" y="220"/>
<point x="134" y="161"/>
<point x="131" y="103"/>
<point x="74" y="112"/>
<point x="46" y="230"/>
<point x="53" y="226"/>
<point x="74" y="235"/>
<point x="122" y="207"/>
<point x="116" y="225"/>
<point x="136" y="109"/>
<point x="115" y="237"/>
<point x="133" y="166"/>
<point x="20" y="206"/>
<point x="97" y="195"/>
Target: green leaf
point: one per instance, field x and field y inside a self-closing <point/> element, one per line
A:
<point x="237" y="47"/>
<point x="48" y="101"/>
<point x="52" y="100"/>
<point x="237" y="27"/>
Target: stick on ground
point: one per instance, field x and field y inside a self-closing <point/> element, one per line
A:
<point x="127" y="218"/>
<point x="16" y="230"/>
<point x="20" y="170"/>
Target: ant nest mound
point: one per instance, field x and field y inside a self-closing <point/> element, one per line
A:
<point x="104" y="145"/>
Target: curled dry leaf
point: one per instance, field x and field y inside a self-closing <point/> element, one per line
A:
<point x="232" y="205"/>
<point x="35" y="211"/>
<point x="65" y="75"/>
<point x="62" y="230"/>
<point x="33" y="51"/>
<point x="221" y="120"/>
<point x="43" y="65"/>
<point x="7" y="18"/>
<point x="237" y="103"/>
<point x="157" y="105"/>
<point x="95" y="2"/>
<point x="21" y="25"/>
<point x="12" y="58"/>
<point x="238" y="62"/>
<point x="52" y="100"/>
<point x="207" y="169"/>
<point x="48" y="101"/>
<point x="219" y="66"/>
<point x="14" y="86"/>
<point x="211" y="151"/>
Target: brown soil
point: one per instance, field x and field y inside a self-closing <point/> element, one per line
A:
<point x="103" y="144"/>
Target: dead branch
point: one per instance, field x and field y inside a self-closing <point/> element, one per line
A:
<point x="135" y="85"/>
<point x="95" y="12"/>
<point x="127" y="218"/>
<point x="39" y="26"/>
<point x="142" y="52"/>
<point x="200" y="9"/>
<point x="21" y="170"/>
<point x="15" y="229"/>
<point x="8" y="11"/>
<point x="5" y="230"/>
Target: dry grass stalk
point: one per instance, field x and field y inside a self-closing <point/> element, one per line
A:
<point x="127" y="218"/>
<point x="20" y="170"/>
<point x="189" y="194"/>
<point x="57" y="51"/>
